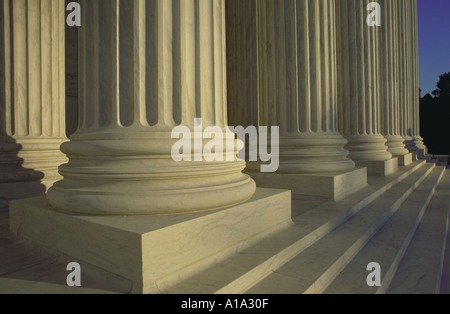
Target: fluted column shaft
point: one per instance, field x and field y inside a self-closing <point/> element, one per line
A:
<point x="418" y="140"/>
<point x="32" y="98"/>
<point x="145" y="68"/>
<point x="297" y="84"/>
<point x="359" y="82"/>
<point x="406" y="74"/>
<point x="390" y="105"/>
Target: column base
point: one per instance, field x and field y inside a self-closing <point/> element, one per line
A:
<point x="396" y="146"/>
<point x="379" y="168"/>
<point x="28" y="168"/>
<point x="333" y="186"/>
<point x="415" y="145"/>
<point x="154" y="252"/>
<point x="405" y="160"/>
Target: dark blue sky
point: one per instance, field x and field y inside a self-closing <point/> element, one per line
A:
<point x="434" y="42"/>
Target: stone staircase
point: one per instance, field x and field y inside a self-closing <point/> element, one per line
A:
<point x="440" y="160"/>
<point x="400" y="222"/>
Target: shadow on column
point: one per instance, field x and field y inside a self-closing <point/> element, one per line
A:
<point x="16" y="181"/>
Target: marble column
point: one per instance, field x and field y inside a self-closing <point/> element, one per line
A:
<point x="295" y="51"/>
<point x="359" y="88"/>
<point x="32" y="113"/>
<point x="390" y="105"/>
<point x="297" y="84"/>
<point x="406" y="73"/>
<point x="147" y="67"/>
<point x="417" y="144"/>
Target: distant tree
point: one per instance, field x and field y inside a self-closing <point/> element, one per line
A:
<point x="443" y="87"/>
<point x="427" y="97"/>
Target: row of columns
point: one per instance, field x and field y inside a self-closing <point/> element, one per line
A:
<point x="340" y="91"/>
<point x="322" y="66"/>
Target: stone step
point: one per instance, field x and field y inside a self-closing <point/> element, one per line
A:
<point x="420" y="271"/>
<point x="317" y="266"/>
<point x="388" y="246"/>
<point x="27" y="268"/>
<point x="445" y="278"/>
<point x="246" y="268"/>
<point x="47" y="267"/>
<point x="19" y="286"/>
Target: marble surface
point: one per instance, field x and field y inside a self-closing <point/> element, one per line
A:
<point x="146" y="67"/>
<point x="423" y="269"/>
<point x="249" y="265"/>
<point x="359" y="89"/>
<point x="332" y="186"/>
<point x="153" y="252"/>
<point x="380" y="168"/>
<point x="32" y="113"/>
<point x="405" y="160"/>
<point x="389" y="79"/>
<point x="388" y="246"/>
<point x="244" y="270"/>
<point x="317" y="266"/>
<point x="288" y="75"/>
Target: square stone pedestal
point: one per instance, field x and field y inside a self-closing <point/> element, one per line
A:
<point x="19" y="190"/>
<point x="333" y="186"/>
<point x="379" y="168"/>
<point x="154" y="252"/>
<point x="405" y="160"/>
